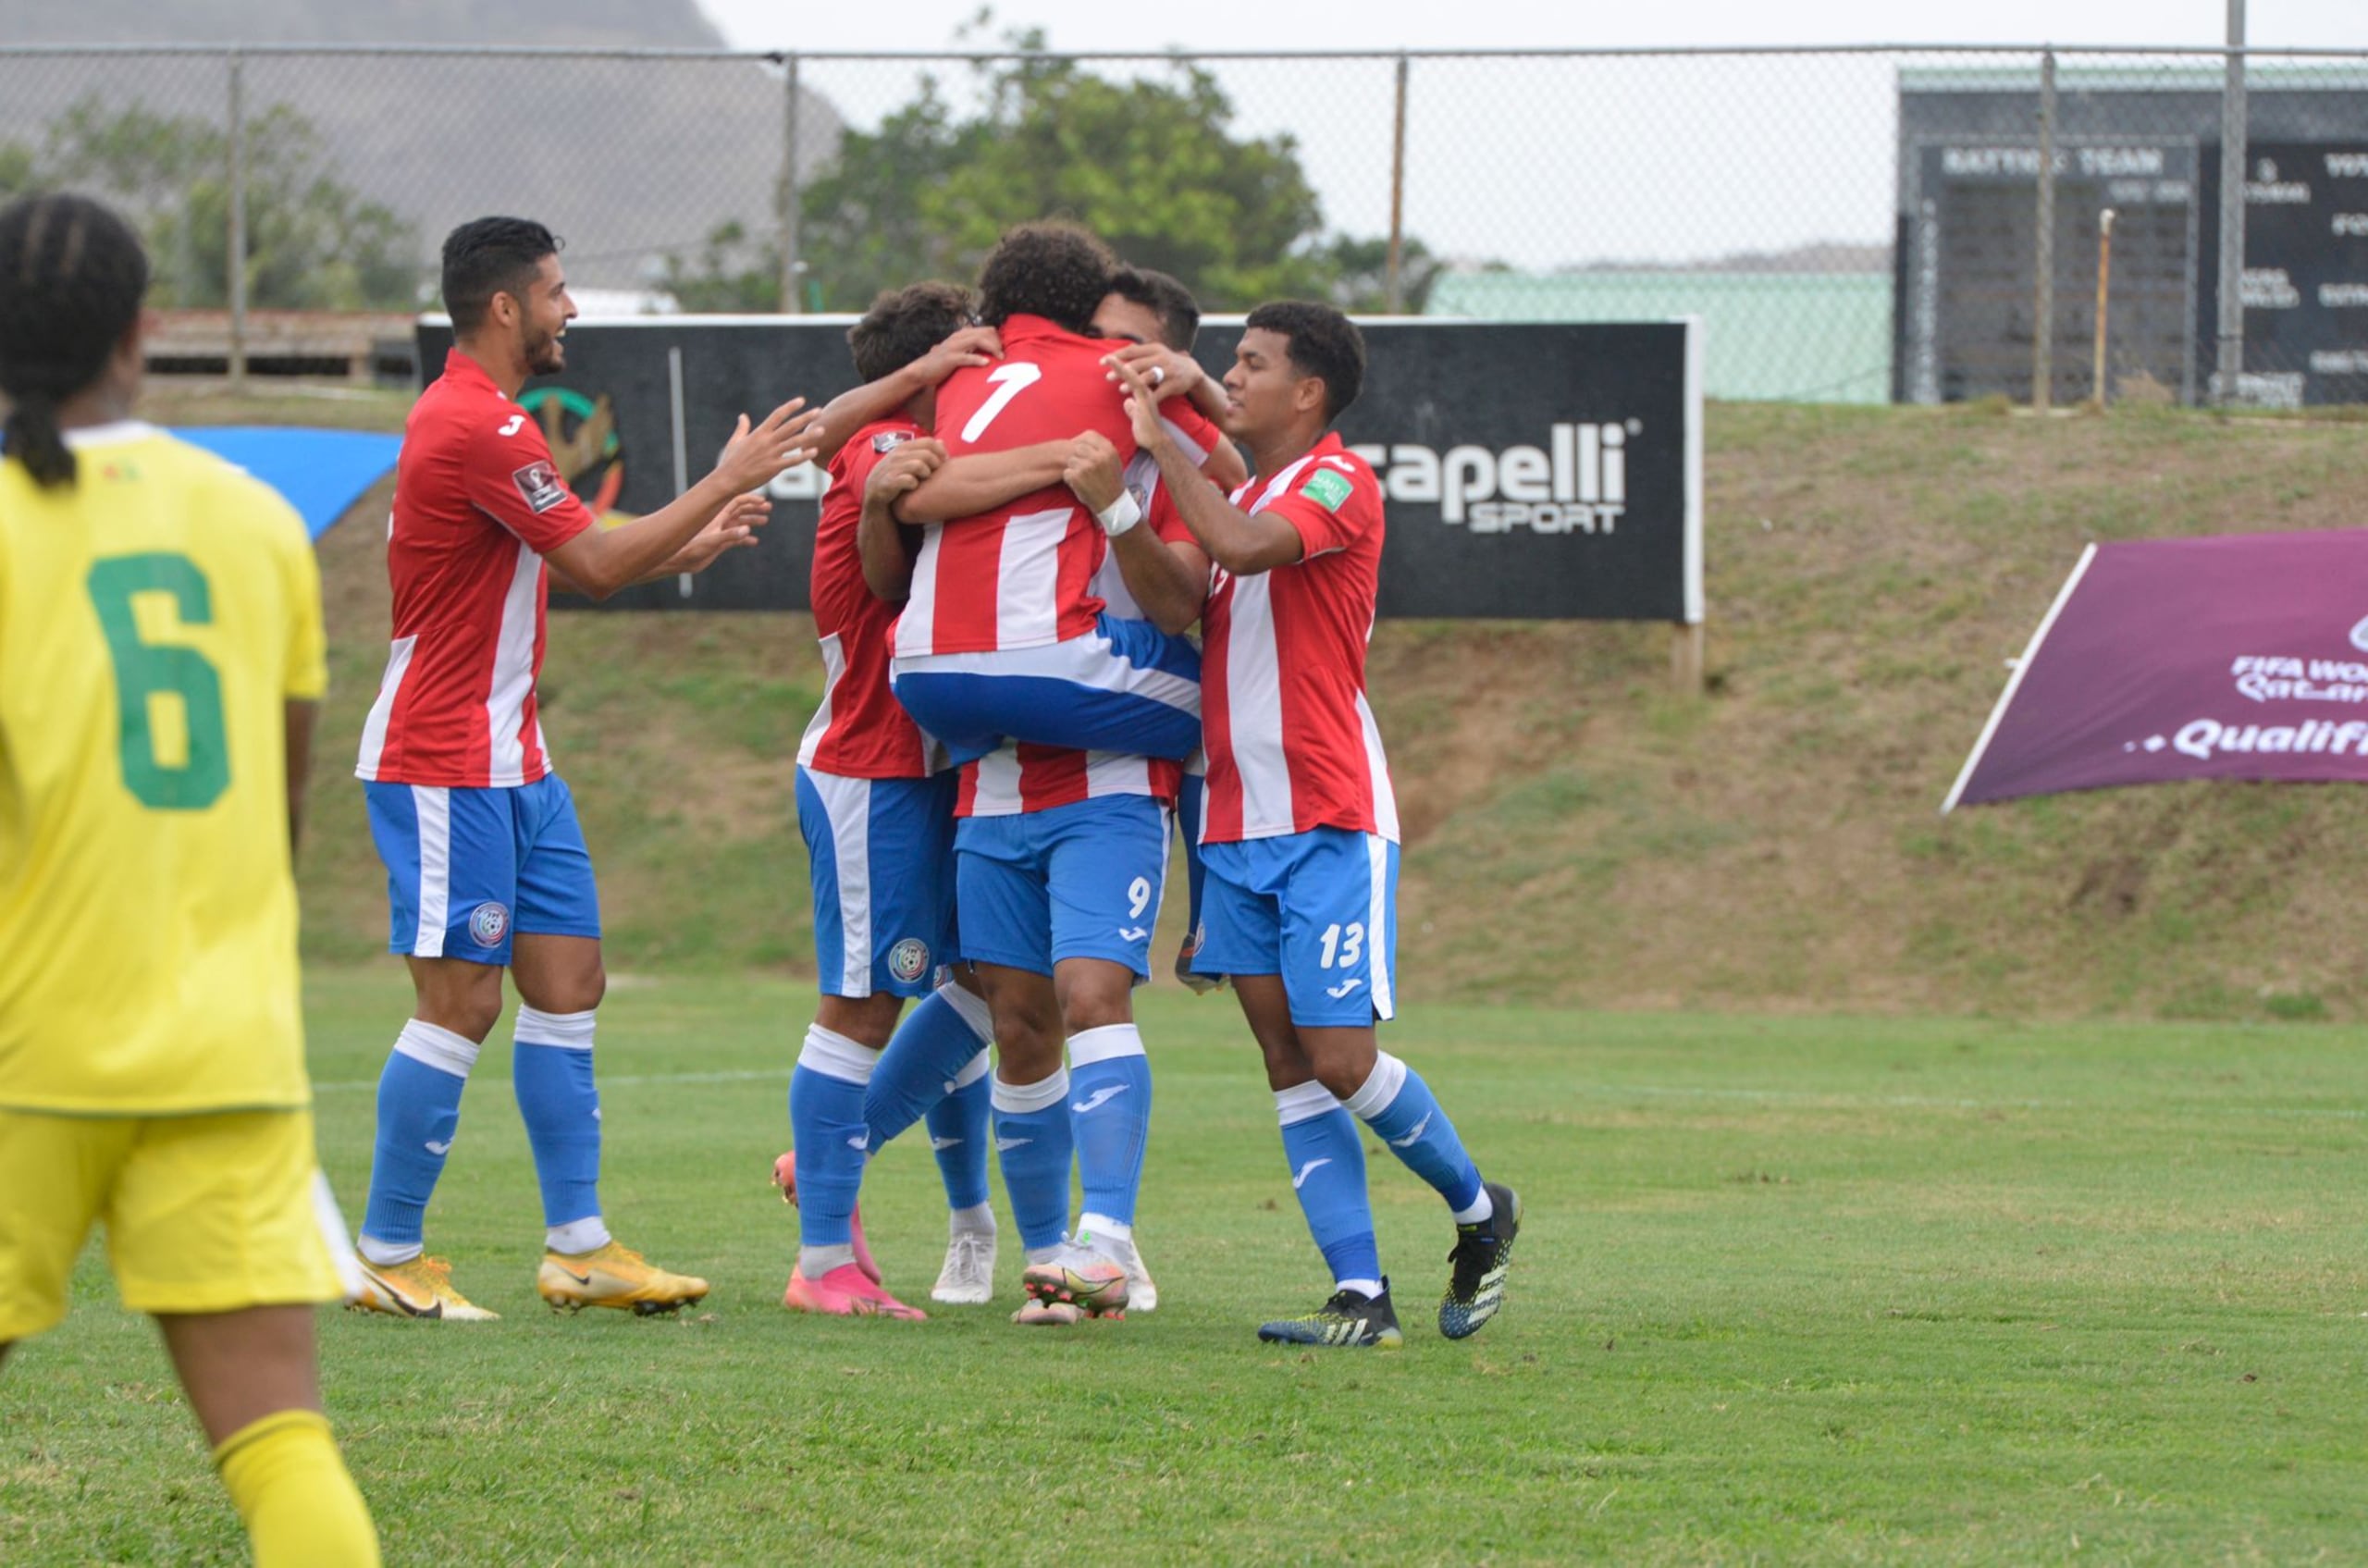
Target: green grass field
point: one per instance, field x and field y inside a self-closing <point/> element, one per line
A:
<point x="1790" y="1289"/>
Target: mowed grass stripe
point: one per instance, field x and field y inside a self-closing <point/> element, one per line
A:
<point x="1790" y="1289"/>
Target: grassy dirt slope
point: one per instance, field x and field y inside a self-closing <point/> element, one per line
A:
<point x="1576" y="834"/>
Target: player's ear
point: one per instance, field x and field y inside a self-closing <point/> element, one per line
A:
<point x="1308" y="393"/>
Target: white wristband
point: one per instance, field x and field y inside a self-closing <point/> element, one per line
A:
<point x="1121" y="514"/>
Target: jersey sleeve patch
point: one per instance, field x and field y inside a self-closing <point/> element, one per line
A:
<point x="539" y="482"/>
<point x="887" y="441"/>
<point x="1327" y="488"/>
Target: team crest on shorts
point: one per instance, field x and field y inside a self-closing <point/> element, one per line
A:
<point x="488" y="923"/>
<point x="908" y="961"/>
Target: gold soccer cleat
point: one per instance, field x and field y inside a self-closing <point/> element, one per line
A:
<point x="422" y="1288"/>
<point x="614" y="1276"/>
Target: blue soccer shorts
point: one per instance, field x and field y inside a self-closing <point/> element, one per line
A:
<point x="467" y="869"/>
<point x="880" y="853"/>
<point x="1125" y="686"/>
<point x="1320" y="908"/>
<point x="1081" y="880"/>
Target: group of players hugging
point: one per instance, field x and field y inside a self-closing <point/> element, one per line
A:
<point x="1034" y="495"/>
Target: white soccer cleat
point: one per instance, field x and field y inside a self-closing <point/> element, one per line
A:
<point x="968" y="1277"/>
<point x="1143" y="1295"/>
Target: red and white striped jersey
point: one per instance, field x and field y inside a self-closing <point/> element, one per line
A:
<point x="1021" y="576"/>
<point x="1019" y="779"/>
<point x="860" y="731"/>
<point x="1291" y="741"/>
<point x="478" y="501"/>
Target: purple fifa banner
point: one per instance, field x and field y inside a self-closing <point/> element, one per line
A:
<point x="2243" y="657"/>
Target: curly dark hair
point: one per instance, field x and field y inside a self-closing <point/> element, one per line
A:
<point x="1055" y="270"/>
<point x="904" y="324"/>
<point x="1323" y="343"/>
<point x="1165" y="297"/>
<point x="72" y="275"/>
<point x="491" y="255"/>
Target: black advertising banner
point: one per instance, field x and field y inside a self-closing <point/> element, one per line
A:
<point x="2306" y="272"/>
<point x="1533" y="471"/>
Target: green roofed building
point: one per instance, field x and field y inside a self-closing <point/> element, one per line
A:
<point x="1783" y="337"/>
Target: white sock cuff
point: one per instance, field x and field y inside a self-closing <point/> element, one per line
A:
<point x="1107" y="1043"/>
<point x="1304" y="1102"/>
<point x="1020" y="1099"/>
<point x="834" y="1055"/>
<point x="972" y="1070"/>
<point x="973" y="1010"/>
<point x="1389" y="1077"/>
<point x="433" y="1045"/>
<point x="570" y="1032"/>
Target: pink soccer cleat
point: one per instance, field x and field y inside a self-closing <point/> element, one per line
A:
<point x="785" y="1177"/>
<point x="846" y="1291"/>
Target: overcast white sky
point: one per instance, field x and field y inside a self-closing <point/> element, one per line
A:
<point x="1543" y="164"/>
<point x="1395" y="24"/>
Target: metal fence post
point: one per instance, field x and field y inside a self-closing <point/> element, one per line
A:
<point x="237" y="263"/>
<point x="1394" y="283"/>
<point x="2231" y="360"/>
<point x="792" y="301"/>
<point x="2043" y="249"/>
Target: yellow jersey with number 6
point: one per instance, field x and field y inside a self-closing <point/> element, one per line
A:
<point x="156" y="617"/>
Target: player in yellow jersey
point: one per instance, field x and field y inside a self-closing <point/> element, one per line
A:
<point x="160" y="656"/>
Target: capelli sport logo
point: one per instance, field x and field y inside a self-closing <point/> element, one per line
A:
<point x="1577" y="483"/>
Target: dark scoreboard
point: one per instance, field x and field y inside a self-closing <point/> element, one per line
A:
<point x="2306" y="272"/>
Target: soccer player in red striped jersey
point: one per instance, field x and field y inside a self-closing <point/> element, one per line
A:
<point x="487" y="866"/>
<point x="1003" y="638"/>
<point x="1062" y="855"/>
<point x="1301" y="829"/>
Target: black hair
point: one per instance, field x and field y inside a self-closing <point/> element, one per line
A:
<point x="491" y="255"/>
<point x="71" y="277"/>
<point x="1323" y="343"/>
<point x="1179" y="312"/>
<point x="904" y="324"/>
<point x="1055" y="270"/>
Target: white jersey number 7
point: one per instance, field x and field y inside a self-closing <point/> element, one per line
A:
<point x="1010" y="380"/>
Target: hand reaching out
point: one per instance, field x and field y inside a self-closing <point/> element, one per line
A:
<point x="755" y="456"/>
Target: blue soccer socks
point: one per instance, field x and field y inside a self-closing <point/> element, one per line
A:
<point x="826" y="1099"/>
<point x="419" y="1112"/>
<point x="1328" y="1165"/>
<point x="1031" y="1125"/>
<point x="1399" y="1108"/>
<point x="959" y="1134"/>
<point x="551" y="1072"/>
<point x="1110" y="1119"/>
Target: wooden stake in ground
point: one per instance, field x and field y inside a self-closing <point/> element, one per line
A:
<point x="2105" y="292"/>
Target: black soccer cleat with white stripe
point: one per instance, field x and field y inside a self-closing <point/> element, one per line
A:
<point x="1483" y="1253"/>
<point x="1348" y="1319"/>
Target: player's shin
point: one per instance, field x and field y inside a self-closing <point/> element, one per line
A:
<point x="419" y="1112"/>
<point x="294" y="1494"/>
<point x="1110" y="1119"/>
<point x="552" y="1071"/>
<point x="928" y="1051"/>
<point x="826" y="1116"/>
<point x="1327" y="1164"/>
<point x="1031" y="1125"/>
<point x="1403" y="1114"/>
<point x="957" y="1135"/>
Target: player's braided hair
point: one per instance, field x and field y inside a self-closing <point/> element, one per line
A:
<point x="1179" y="312"/>
<point x="1055" y="270"/>
<point x="1324" y="344"/>
<point x="72" y="279"/>
<point x="491" y="255"/>
<point x="904" y="324"/>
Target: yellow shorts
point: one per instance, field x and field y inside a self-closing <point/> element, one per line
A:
<point x="207" y="1212"/>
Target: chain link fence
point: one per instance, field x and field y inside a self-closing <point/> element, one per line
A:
<point x="1863" y="225"/>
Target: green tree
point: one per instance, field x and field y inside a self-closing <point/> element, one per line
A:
<point x="313" y="241"/>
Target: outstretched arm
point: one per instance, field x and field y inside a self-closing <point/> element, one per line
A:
<point x="850" y="412"/>
<point x="598" y="561"/>
<point x="978" y="482"/>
